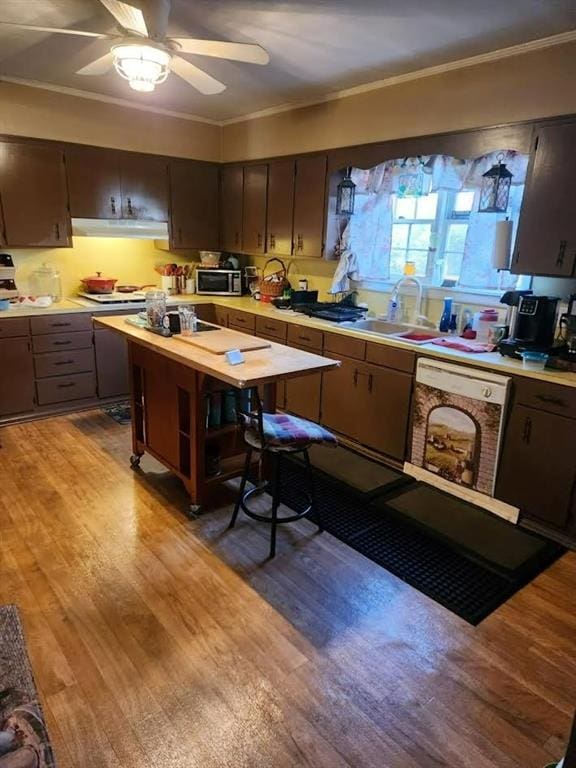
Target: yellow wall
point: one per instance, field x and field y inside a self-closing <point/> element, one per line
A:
<point x="27" y="111"/>
<point x="522" y="87"/>
<point x="130" y="261"/>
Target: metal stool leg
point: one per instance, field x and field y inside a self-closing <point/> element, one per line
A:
<point x="241" y="489"/>
<point x="275" y="504"/>
<point x="311" y="491"/>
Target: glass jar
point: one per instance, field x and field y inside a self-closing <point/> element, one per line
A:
<point x="45" y="281"/>
<point x="155" y="308"/>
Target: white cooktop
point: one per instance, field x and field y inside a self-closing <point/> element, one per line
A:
<point x="114" y="298"/>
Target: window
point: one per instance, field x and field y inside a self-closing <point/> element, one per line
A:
<point x="431" y="231"/>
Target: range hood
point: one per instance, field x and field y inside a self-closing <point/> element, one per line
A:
<point x="129" y="228"/>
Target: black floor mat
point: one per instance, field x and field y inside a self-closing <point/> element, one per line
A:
<point x="120" y="413"/>
<point x="452" y="575"/>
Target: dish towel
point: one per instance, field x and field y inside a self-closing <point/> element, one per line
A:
<point x="347" y="269"/>
<point x="464" y="345"/>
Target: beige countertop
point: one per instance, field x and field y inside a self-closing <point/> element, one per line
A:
<point x="260" y="366"/>
<point x="486" y="360"/>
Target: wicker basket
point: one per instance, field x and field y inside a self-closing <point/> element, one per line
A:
<point x="273" y="284"/>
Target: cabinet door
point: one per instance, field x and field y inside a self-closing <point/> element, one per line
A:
<point x="340" y="401"/>
<point x="194" y="203"/>
<point x="537" y="468"/>
<point x="144" y="183"/>
<point x="384" y="414"/>
<point x="309" y="206"/>
<point x="17" y="389"/>
<point x="94" y="183"/>
<point x="34" y="195"/>
<point x="546" y="240"/>
<point x="302" y="395"/>
<point x="111" y="363"/>
<point x="231" y="194"/>
<point x="254" y="209"/>
<point x="281" y="176"/>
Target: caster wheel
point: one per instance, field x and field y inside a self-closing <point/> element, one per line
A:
<point x="195" y="511"/>
<point x="135" y="460"/>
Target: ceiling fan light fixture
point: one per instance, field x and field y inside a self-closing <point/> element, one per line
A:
<point x="144" y="66"/>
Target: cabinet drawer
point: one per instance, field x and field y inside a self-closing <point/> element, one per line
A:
<point x="14" y="326"/>
<point x="59" y="389"/>
<point x="546" y="397"/>
<point x="60" y="363"/>
<point x="242" y="319"/>
<point x="59" y="323"/>
<point x="305" y="337"/>
<point x="54" y="342"/>
<point x="345" y="345"/>
<point x="390" y="357"/>
<point x="276" y="329"/>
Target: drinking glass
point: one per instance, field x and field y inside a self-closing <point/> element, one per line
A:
<point x="187" y="320"/>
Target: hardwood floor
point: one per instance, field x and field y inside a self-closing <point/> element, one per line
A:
<point x="168" y="643"/>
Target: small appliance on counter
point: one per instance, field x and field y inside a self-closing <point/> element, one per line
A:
<point x="8" y="288"/>
<point x="531" y="323"/>
<point x="219" y="282"/>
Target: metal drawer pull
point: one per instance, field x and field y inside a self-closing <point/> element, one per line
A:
<point x="65" y="386"/>
<point x="305" y="338"/>
<point x="60" y="325"/>
<point x="270" y="328"/>
<point x="259" y="240"/>
<point x="370" y="382"/>
<point x="356" y="377"/>
<point x="551" y="400"/>
<point x="113" y="204"/>
<point x="527" y="432"/>
<point x="61" y="343"/>
<point x="64" y="362"/>
<point x="561" y="253"/>
<point x="129" y="203"/>
<point x="57" y="230"/>
<point x="272" y="242"/>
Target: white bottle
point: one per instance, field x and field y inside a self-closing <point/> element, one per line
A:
<point x="393" y="308"/>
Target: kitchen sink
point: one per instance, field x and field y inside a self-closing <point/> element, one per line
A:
<point x="415" y="334"/>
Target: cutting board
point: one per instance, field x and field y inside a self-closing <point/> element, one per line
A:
<point x="220" y="342"/>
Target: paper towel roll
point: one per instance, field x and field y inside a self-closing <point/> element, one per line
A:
<point x="502" y="245"/>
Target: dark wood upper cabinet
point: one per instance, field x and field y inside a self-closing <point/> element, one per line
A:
<point x="17" y="389"/>
<point x="194" y="205"/>
<point x="94" y="183"/>
<point x="537" y="470"/>
<point x="281" y="177"/>
<point x="546" y="240"/>
<point x="309" y="196"/>
<point x="34" y="195"/>
<point x="254" y="208"/>
<point x="231" y="204"/>
<point x="144" y="184"/>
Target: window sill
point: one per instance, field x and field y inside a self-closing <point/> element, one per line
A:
<point x="490" y="298"/>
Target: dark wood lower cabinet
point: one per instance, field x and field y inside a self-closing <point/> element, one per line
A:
<point x="537" y="467"/>
<point x="111" y="363"/>
<point x="369" y="404"/>
<point x="17" y="379"/>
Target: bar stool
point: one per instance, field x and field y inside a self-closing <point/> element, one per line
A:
<point x="276" y="435"/>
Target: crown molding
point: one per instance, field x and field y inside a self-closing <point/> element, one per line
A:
<point x="106" y="99"/>
<point x="471" y="61"/>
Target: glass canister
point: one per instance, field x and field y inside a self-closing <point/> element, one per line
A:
<point x="155" y="308"/>
<point x="45" y="281"/>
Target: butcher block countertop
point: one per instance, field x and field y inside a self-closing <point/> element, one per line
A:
<point x="261" y="366"/>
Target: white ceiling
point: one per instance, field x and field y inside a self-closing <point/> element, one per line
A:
<point x="315" y="47"/>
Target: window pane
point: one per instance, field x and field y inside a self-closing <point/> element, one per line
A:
<point x="456" y="237"/>
<point x="421" y="260"/>
<point x="404" y="208"/>
<point x="426" y="206"/>
<point x="463" y="201"/>
<point x="397" y="261"/>
<point x="452" y="265"/>
<point x="420" y="236"/>
<point x="400" y="235"/>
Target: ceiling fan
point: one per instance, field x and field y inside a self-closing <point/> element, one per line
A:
<point x="146" y="59"/>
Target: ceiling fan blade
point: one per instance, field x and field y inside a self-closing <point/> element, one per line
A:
<point x="247" y="52"/>
<point x="52" y="30"/>
<point x="198" y="79"/>
<point x="127" y="16"/>
<point x="99" y="66"/>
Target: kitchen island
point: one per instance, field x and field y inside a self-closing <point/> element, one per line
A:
<point x="173" y="385"/>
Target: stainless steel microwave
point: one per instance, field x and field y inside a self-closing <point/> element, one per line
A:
<point x="219" y="282"/>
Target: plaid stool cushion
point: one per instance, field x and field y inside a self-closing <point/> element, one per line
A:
<point x="283" y="430"/>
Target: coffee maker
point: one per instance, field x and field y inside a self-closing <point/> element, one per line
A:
<point x="531" y="323"/>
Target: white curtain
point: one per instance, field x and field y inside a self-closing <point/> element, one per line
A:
<point x="367" y="239"/>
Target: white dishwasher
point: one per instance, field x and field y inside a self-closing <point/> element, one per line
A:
<point x="457" y="422"/>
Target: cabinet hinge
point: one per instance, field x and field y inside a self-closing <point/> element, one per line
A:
<point x="536" y="143"/>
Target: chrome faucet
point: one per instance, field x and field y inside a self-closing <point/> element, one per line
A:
<point x="419" y="318"/>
